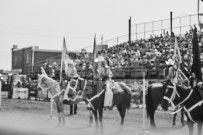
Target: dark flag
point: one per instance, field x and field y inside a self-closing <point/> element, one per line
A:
<point x="94" y="55"/>
<point x="95" y="48"/>
<point x="196" y="66"/>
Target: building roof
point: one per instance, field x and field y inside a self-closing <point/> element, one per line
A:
<point x="17" y="49"/>
<point x="36" y="49"/>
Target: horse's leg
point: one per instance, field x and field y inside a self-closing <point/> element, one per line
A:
<point x="101" y="118"/>
<point x="96" y="119"/>
<point x="59" y="118"/>
<point x="174" y="119"/>
<point x="59" y="112"/>
<point x="152" y="123"/>
<point x="199" y="128"/>
<point x="91" y="117"/>
<point x="122" y="110"/>
<point x="62" y="114"/>
<point x="60" y="109"/>
<point x="182" y="117"/>
<point x="190" y="126"/>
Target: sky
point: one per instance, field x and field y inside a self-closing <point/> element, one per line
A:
<point x="44" y="23"/>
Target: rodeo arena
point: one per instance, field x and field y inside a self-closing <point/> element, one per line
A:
<point x="148" y="83"/>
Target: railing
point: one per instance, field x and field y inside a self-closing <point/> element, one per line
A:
<point x="180" y="25"/>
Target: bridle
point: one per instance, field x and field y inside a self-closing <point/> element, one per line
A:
<point x="89" y="104"/>
<point x="187" y="110"/>
<point x="173" y="96"/>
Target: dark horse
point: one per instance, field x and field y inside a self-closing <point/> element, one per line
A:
<point x="94" y="94"/>
<point x="191" y="101"/>
<point x="154" y="96"/>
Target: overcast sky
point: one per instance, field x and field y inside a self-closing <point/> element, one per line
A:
<point x="44" y="23"/>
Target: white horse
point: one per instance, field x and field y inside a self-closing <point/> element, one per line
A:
<point x="46" y="83"/>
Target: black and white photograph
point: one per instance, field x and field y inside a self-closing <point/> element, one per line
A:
<point x="101" y="67"/>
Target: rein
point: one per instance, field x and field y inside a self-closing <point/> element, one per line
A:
<point x="80" y="91"/>
<point x="188" y="111"/>
<point x="192" y="108"/>
<point x="170" y="100"/>
<point x="186" y="97"/>
<point x="93" y="98"/>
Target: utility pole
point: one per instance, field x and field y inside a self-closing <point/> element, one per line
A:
<point x="171" y="22"/>
<point x="129" y="23"/>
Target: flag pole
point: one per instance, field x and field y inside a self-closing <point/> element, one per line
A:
<point x="61" y="69"/>
<point x="94" y="55"/>
<point x="143" y="105"/>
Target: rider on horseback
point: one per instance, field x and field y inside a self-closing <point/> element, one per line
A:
<point x="174" y="73"/>
<point x="104" y="73"/>
<point x="71" y="73"/>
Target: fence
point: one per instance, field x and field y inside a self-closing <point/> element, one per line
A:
<point x="180" y="25"/>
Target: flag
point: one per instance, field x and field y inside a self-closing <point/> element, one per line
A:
<point x="177" y="56"/>
<point x="196" y="65"/>
<point x="95" y="48"/>
<point x="64" y="57"/>
<point x="43" y="71"/>
<point x="94" y="55"/>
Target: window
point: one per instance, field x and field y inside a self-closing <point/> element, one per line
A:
<point x="15" y="60"/>
<point x="27" y="58"/>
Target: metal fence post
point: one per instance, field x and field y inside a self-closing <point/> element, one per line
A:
<point x="180" y="26"/>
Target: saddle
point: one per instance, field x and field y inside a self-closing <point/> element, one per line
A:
<point x="120" y="87"/>
<point x="116" y="88"/>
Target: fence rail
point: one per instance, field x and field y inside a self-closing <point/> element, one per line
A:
<point x="180" y="25"/>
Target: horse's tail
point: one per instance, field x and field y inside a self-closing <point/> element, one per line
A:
<point x="149" y="101"/>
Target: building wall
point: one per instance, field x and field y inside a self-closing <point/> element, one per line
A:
<point x="40" y="57"/>
<point x="18" y="64"/>
<point x="24" y="58"/>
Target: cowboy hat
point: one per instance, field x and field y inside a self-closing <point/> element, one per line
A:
<point x="170" y="62"/>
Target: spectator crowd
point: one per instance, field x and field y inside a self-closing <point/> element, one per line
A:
<point x="148" y="52"/>
<point x="155" y="49"/>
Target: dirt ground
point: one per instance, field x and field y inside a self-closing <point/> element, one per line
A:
<point x="26" y="117"/>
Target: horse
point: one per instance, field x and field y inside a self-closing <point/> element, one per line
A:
<point x="191" y="101"/>
<point x="154" y="96"/>
<point x="46" y="83"/>
<point x="94" y="94"/>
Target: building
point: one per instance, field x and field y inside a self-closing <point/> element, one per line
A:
<point x="28" y="60"/>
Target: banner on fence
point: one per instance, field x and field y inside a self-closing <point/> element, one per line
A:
<point x="21" y="93"/>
